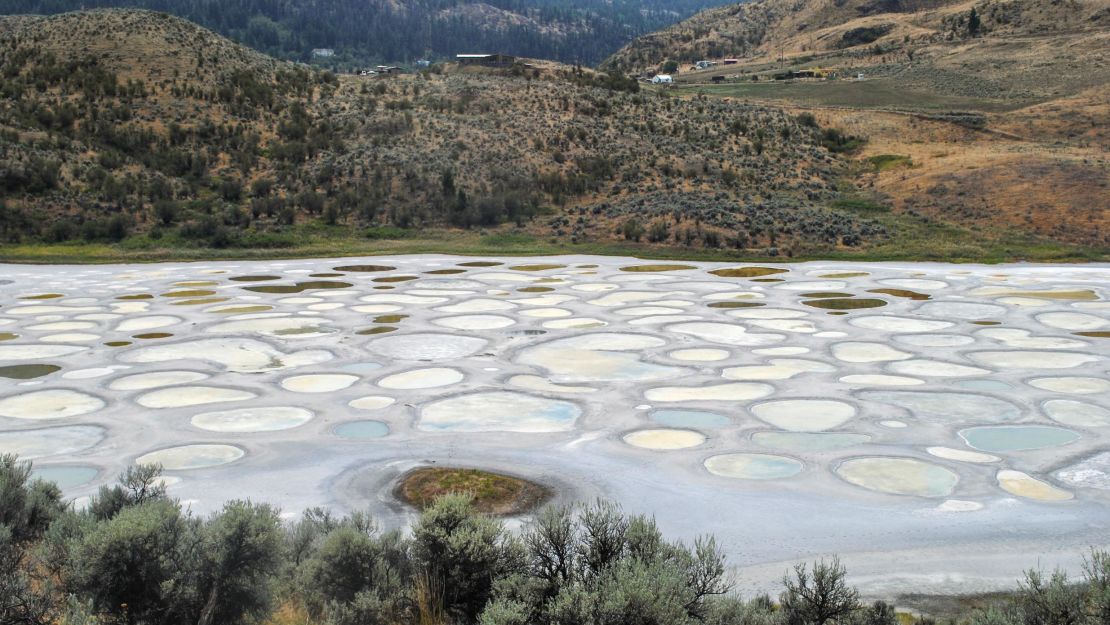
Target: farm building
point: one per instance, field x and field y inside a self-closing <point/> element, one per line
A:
<point x="486" y="60"/>
<point x="662" y="79"/>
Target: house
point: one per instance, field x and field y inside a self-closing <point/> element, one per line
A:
<point x="389" y="69"/>
<point x="662" y="79"/>
<point x="717" y="79"/>
<point x="486" y="60"/>
<point x="731" y="61"/>
<point x="704" y="64"/>
<point x="323" y="52"/>
<point x="423" y="63"/>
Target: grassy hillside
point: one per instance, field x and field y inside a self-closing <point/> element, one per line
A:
<point x="858" y="29"/>
<point x="165" y="129"/>
<point x="161" y="139"/>
<point x="988" y="113"/>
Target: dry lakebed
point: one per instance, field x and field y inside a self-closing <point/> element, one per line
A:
<point x="940" y="427"/>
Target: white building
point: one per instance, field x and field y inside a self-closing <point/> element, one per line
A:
<point x="324" y="52"/>
<point x="662" y="79"/>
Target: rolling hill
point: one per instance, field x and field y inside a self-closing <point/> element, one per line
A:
<point x="983" y="113"/>
<point x="153" y="135"/>
<point x="362" y="32"/>
<point x="165" y="134"/>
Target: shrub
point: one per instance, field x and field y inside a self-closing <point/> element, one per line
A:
<point x="819" y="596"/>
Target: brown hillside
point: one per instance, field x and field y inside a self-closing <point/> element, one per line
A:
<point x="768" y="29"/>
<point x="132" y="122"/>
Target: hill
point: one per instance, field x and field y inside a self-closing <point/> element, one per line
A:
<point x="365" y="32"/>
<point x="982" y="113"/>
<point x="867" y="31"/>
<point x="165" y="134"/>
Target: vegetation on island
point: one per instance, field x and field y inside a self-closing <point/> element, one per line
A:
<point x="490" y="493"/>
<point x="136" y="556"/>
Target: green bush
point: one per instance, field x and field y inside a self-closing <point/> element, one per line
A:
<point x="136" y="557"/>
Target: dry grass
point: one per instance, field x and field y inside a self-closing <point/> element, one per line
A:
<point x="493" y="493"/>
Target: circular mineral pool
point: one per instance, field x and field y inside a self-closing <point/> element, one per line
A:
<point x="689" y="419"/>
<point x="898" y="476"/>
<point x="144" y="381"/>
<point x="318" y="383"/>
<point x="475" y="322"/>
<point x="600" y="357"/>
<point x="732" y="391"/>
<point x="753" y="466"/>
<point x="371" y="402"/>
<point x="664" y="439"/>
<point x="1072" y="321"/>
<point x="1077" y="414"/>
<point x="984" y="385"/>
<point x="261" y="419"/>
<point x="43" y="442"/>
<point x="808" y="441"/>
<point x="864" y="379"/>
<point x="182" y="396"/>
<point x="358" y="430"/>
<point x="857" y="352"/>
<point x="1005" y="438"/>
<point x="186" y="457"/>
<point x="804" y="415"/>
<point x="1024" y="485"/>
<point x="700" y="354"/>
<point x="49" y="404"/>
<point x="891" y="323"/>
<point x="945" y="407"/>
<point x="961" y="310"/>
<point x="504" y="411"/>
<point x="934" y="340"/>
<point x="1072" y="385"/>
<point x="426" y="346"/>
<point x="432" y="377"/>
<point x="1032" y="359"/>
<point x="726" y="333"/>
<point x="65" y="476"/>
<point x="147" y="323"/>
<point x="961" y="455"/>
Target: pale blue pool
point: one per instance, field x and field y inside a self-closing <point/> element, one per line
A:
<point x="689" y="419"/>
<point x="1005" y="438"/>
<point x="361" y="430"/>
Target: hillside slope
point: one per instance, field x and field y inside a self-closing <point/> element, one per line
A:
<point x="770" y="29"/>
<point x="166" y="131"/>
<point x="365" y="32"/>
<point x="982" y="113"/>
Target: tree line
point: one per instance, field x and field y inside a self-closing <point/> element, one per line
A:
<point x="362" y="32"/>
<point x="134" y="556"/>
